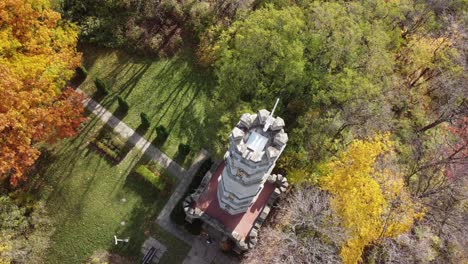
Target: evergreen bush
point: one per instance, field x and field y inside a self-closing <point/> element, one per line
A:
<point x="145" y="120"/>
<point x="184" y="150"/>
<point x="123" y="105"/>
<point x="101" y="86"/>
<point x="161" y="133"/>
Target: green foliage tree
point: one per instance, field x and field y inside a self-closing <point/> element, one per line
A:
<point x="262" y="54"/>
<point x="341" y="70"/>
<point x="161" y="134"/>
<point x="24" y="232"/>
<point x="331" y="60"/>
<point x="366" y="67"/>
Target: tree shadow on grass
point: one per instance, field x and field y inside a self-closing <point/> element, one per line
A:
<point x="180" y="157"/>
<point x="83" y="134"/>
<point x="160" y="139"/>
<point x="124" y="174"/>
<point x="120" y="113"/>
<point x="137" y="71"/>
<point x="68" y="152"/>
<point x="185" y="80"/>
<point x="140" y="218"/>
<point x="98" y="96"/>
<point x="142" y="129"/>
<point x="126" y="88"/>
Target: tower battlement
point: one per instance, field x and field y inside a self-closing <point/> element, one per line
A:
<point x="255" y="144"/>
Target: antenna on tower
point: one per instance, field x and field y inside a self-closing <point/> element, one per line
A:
<point x="270" y="118"/>
<point x="274" y="107"/>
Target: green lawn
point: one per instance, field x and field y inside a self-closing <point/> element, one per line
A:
<point x="84" y="197"/>
<point x="173" y="92"/>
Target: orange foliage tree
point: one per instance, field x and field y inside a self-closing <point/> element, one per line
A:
<point x="37" y="56"/>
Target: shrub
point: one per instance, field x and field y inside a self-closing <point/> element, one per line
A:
<point x="111" y="140"/>
<point x="161" y="133"/>
<point x="107" y="150"/>
<point x="110" y="144"/>
<point x="145" y="120"/>
<point x="174" y="9"/>
<point x="184" y="149"/>
<point x="149" y="176"/>
<point x="101" y="86"/>
<point x="82" y="71"/>
<point x="123" y="105"/>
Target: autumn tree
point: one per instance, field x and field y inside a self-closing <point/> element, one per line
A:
<point x="371" y="200"/>
<point x="37" y="56"/>
<point x="439" y="178"/>
<point x="306" y="231"/>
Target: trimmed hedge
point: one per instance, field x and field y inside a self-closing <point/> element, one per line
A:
<point x="123" y="105"/>
<point x="145" y="120"/>
<point x="107" y="150"/>
<point x="101" y="86"/>
<point x="110" y="144"/>
<point x="149" y="176"/>
<point x="161" y="133"/>
<point x="184" y="150"/>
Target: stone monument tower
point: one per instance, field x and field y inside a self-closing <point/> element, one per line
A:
<point x="236" y="195"/>
<point x="255" y="144"/>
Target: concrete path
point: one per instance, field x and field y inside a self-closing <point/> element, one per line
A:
<point x="164" y="219"/>
<point x="134" y="138"/>
<point x="203" y="253"/>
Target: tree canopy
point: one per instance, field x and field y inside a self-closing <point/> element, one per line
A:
<point x="37" y="56"/>
<point x="373" y="94"/>
<point x="371" y="201"/>
<point x="24" y="232"/>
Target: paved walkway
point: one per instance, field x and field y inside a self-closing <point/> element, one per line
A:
<point x="164" y="219"/>
<point x="203" y="253"/>
<point x="134" y="138"/>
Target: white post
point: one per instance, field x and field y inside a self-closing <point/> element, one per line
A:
<point x="270" y="118"/>
<point x="117" y="240"/>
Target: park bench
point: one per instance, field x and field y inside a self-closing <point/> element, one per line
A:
<point x="149" y="256"/>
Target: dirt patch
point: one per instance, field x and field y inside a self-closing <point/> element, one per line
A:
<point x="101" y="257"/>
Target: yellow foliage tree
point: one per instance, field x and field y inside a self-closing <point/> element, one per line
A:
<point x="5" y="249"/>
<point x="372" y="201"/>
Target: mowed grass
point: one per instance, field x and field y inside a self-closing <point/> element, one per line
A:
<point x="84" y="195"/>
<point x="173" y="92"/>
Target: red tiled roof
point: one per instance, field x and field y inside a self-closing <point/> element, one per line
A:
<point x="240" y="223"/>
